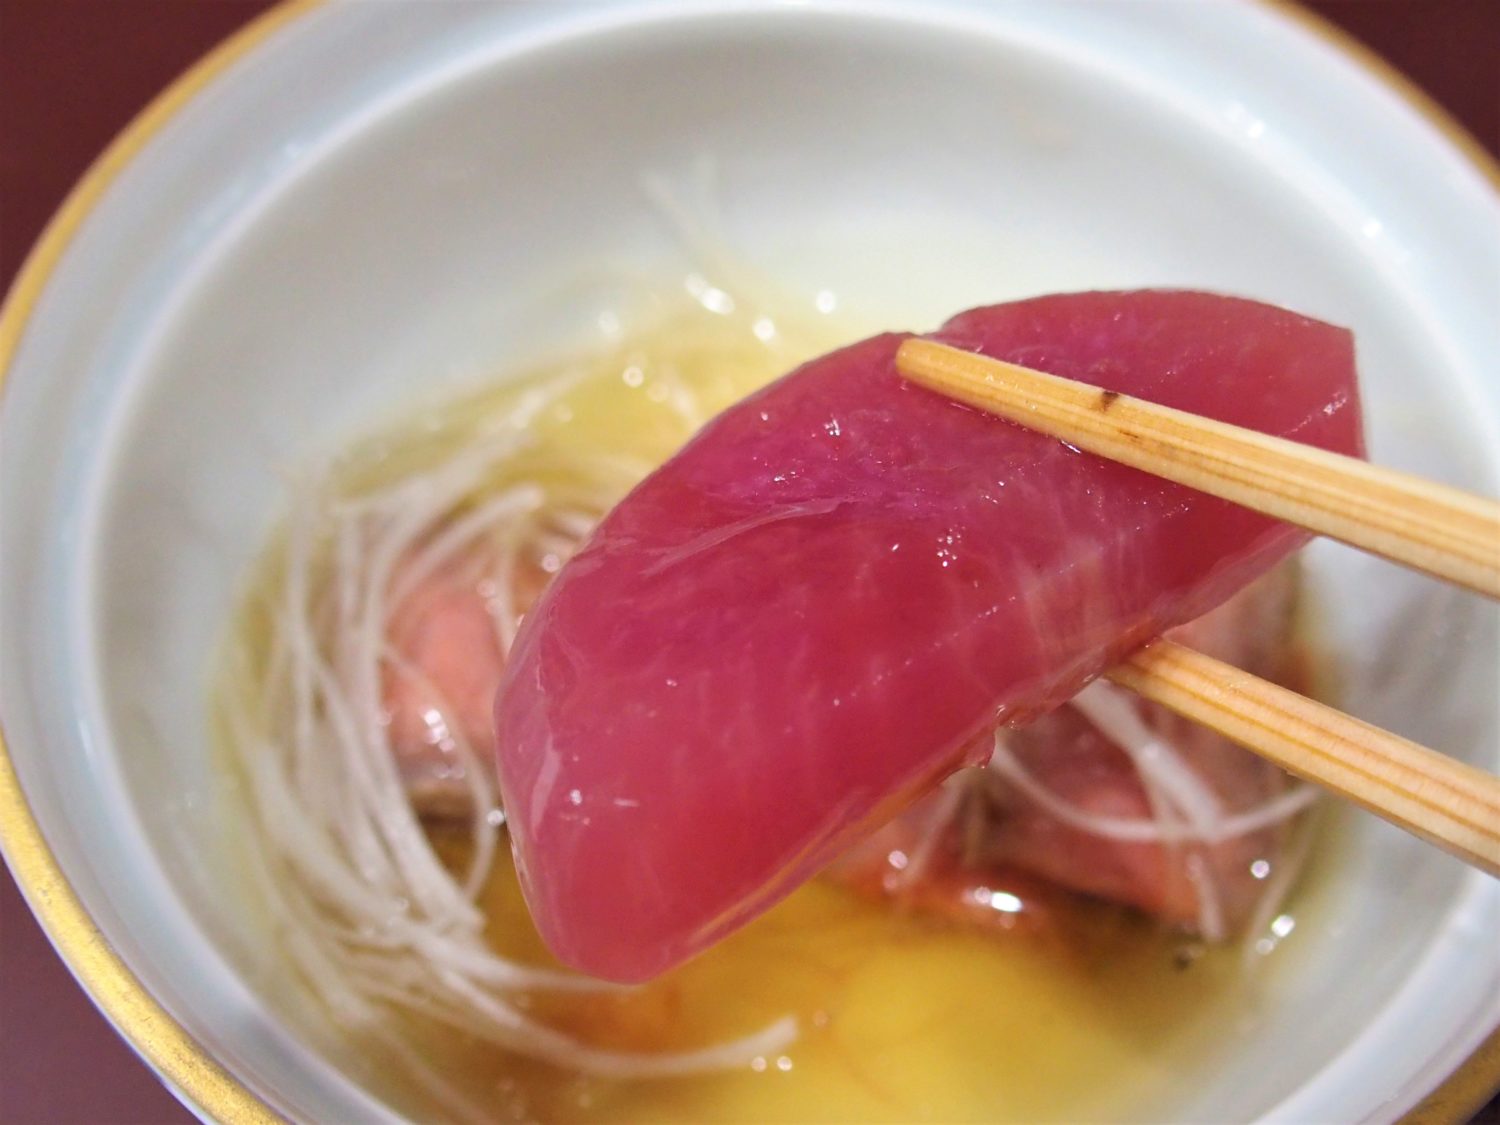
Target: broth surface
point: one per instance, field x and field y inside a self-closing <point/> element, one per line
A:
<point x="903" y="1018"/>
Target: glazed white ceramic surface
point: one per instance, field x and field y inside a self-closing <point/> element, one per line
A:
<point x="382" y="197"/>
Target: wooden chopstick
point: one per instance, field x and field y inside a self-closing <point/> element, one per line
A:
<point x="1450" y="803"/>
<point x="1433" y="528"/>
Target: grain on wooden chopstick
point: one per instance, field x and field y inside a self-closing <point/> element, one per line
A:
<point x="1431" y="527"/>
<point x="1450" y="803"/>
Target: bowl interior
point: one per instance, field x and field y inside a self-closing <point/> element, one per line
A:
<point x="380" y="201"/>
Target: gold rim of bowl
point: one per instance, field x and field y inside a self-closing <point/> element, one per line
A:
<point x="183" y="1062"/>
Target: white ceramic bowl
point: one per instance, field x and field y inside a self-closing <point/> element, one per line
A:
<point x="356" y="199"/>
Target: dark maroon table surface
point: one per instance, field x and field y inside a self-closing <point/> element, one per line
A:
<point x="72" y="73"/>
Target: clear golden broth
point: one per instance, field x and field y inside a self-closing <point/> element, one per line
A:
<point x="903" y="1018"/>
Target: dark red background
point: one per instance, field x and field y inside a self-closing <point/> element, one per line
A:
<point x="72" y="72"/>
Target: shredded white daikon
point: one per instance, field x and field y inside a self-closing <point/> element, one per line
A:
<point x="1186" y="813"/>
<point x="367" y="912"/>
<point x="1144" y="830"/>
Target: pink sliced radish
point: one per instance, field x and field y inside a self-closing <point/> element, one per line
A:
<point x="827" y="601"/>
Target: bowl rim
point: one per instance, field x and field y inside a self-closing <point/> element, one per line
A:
<point x="183" y="1064"/>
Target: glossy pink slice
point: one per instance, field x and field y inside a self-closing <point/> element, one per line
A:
<point x="814" y="611"/>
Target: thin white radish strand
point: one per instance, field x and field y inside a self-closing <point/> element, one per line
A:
<point x="1147" y="830"/>
<point x="1174" y="788"/>
<point x="1186" y="814"/>
<point x="1112" y="711"/>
